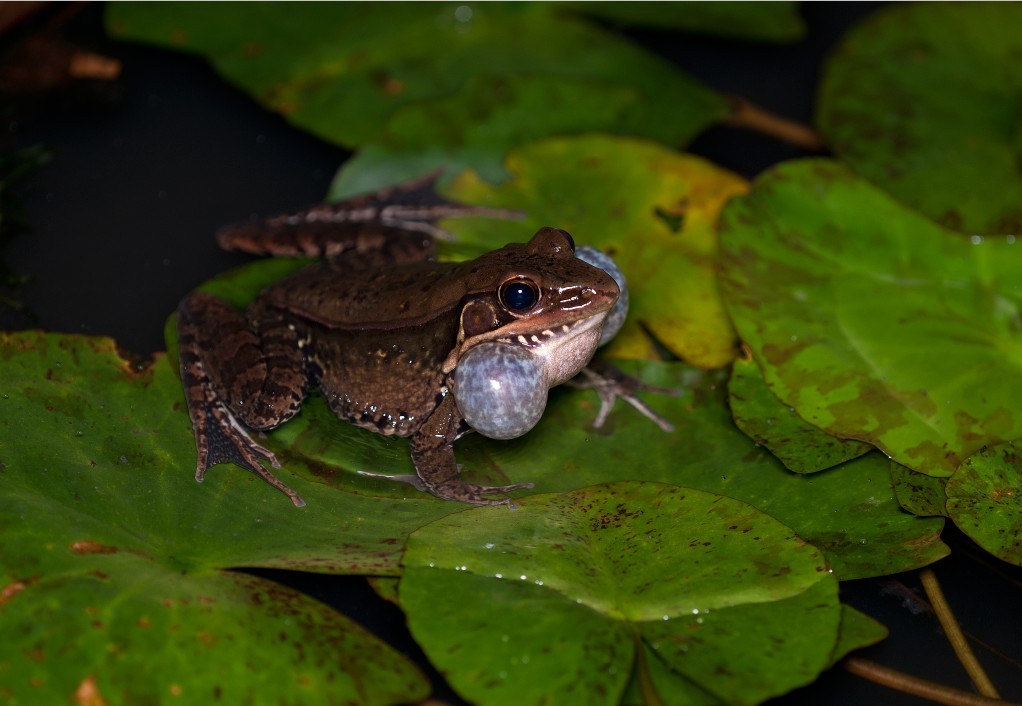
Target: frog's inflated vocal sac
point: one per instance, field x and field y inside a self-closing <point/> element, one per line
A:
<point x="380" y="327"/>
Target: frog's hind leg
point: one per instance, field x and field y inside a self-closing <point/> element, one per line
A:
<point x="236" y="378"/>
<point x="396" y="224"/>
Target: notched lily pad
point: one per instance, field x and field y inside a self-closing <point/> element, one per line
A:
<point x="714" y="587"/>
<point x="799" y="445"/>
<point x="873" y="322"/>
<point x="476" y="79"/>
<point x="107" y="535"/>
<point x="922" y="99"/>
<point x="984" y="498"/>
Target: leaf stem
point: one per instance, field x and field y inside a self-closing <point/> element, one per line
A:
<point x="650" y="696"/>
<point x="953" y="631"/>
<point x="746" y="114"/>
<point x="915" y="686"/>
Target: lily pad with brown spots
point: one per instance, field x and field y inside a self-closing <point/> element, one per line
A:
<point x="653" y="209"/>
<point x="922" y="99"/>
<point x="116" y="562"/>
<point x="984" y="498"/>
<point x="799" y="445"/>
<point x="469" y="81"/>
<point x="873" y="322"/>
<point x="729" y="599"/>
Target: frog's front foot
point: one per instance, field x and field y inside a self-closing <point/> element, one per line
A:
<point x="471" y="493"/>
<point x="610" y="383"/>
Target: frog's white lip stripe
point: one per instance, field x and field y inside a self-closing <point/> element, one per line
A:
<point x="565" y="331"/>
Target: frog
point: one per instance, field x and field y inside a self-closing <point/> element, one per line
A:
<point x="379" y="326"/>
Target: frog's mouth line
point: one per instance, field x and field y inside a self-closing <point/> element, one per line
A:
<point x="559" y="334"/>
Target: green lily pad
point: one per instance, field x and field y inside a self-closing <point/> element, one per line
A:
<point x="799" y="445"/>
<point x="726" y="596"/>
<point x="654" y="682"/>
<point x="652" y="209"/>
<point x="761" y="21"/>
<point x="922" y="99"/>
<point x="873" y="322"/>
<point x="114" y="558"/>
<point x="471" y="79"/>
<point x="983" y="498"/>
<point x="857" y="630"/>
<point x="919" y="493"/>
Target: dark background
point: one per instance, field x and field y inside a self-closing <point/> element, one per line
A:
<point x="119" y="224"/>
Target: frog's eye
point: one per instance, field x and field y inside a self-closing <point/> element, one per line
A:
<point x="518" y="294"/>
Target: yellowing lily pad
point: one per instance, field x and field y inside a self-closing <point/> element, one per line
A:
<point x="873" y="322"/>
<point x="652" y="209"/>
<point x="726" y="596"/>
<point x="922" y="99"/>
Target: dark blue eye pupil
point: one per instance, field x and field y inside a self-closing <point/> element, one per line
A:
<point x="518" y="296"/>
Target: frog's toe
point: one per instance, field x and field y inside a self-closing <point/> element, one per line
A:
<point x="611" y="384"/>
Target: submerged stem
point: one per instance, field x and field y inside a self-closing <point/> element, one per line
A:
<point x="954" y="635"/>
<point x="922" y="688"/>
<point x="746" y="114"/>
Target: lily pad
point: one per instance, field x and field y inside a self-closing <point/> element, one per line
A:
<point x="473" y="80"/>
<point x="651" y="208"/>
<point x="799" y="445"/>
<point x="654" y="682"/>
<point x="760" y="21"/>
<point x="857" y="630"/>
<point x="873" y="322"/>
<point x="726" y="596"/>
<point x="922" y="99"/>
<point x="983" y="498"/>
<point x="114" y="558"/>
<point x="919" y="493"/>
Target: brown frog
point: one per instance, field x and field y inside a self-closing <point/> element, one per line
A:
<point x="380" y="327"/>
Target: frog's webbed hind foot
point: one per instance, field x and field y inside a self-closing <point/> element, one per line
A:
<point x="222" y="439"/>
<point x="471" y="493"/>
<point x="610" y="384"/>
